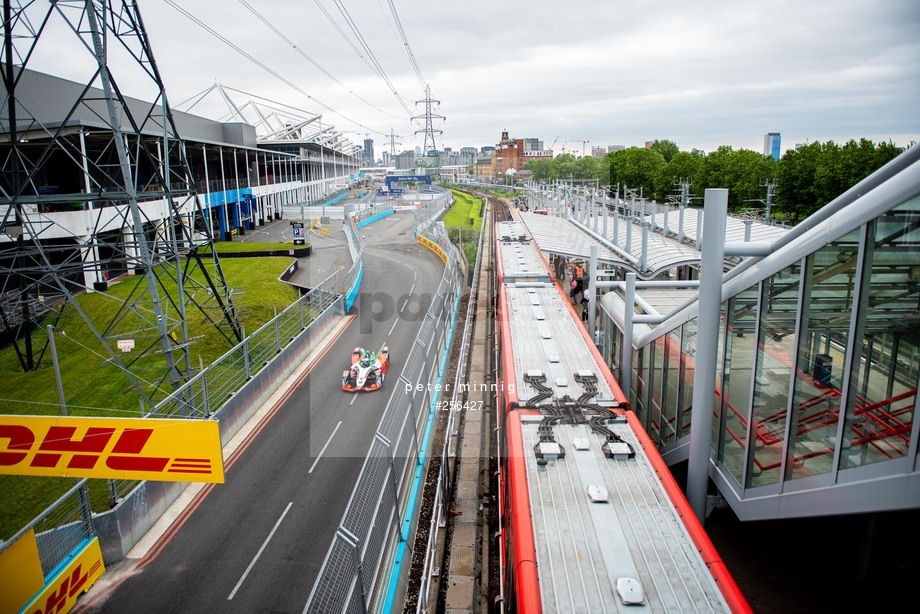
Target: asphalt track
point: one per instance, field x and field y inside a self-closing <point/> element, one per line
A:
<point x="257" y="542"/>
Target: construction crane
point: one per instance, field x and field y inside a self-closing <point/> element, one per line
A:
<point x="554" y="143"/>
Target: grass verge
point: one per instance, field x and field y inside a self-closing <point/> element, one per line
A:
<point x="463" y="221"/>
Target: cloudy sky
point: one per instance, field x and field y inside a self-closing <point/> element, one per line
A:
<point x="579" y="73"/>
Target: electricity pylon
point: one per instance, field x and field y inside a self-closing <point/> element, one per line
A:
<point x="122" y="168"/>
<point x="429" y="116"/>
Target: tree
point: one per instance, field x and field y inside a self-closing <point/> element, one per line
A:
<point x="541" y="168"/>
<point x="567" y="167"/>
<point x="817" y="173"/>
<point x="683" y="165"/>
<point x="795" y="194"/>
<point x="636" y="167"/>
<point x="589" y="168"/>
<point x="668" y="149"/>
<point x="740" y="172"/>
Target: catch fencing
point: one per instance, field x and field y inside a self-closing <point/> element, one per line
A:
<point x="444" y="480"/>
<point x="363" y="565"/>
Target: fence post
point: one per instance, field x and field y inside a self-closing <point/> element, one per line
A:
<point x="277" y="332"/>
<point x="246" y="353"/>
<point x="354" y="542"/>
<point x="86" y="510"/>
<point x="204" y="389"/>
<point x="300" y="310"/>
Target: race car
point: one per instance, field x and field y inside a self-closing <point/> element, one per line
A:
<point x="368" y="369"/>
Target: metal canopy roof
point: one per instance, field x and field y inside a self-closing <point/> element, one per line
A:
<point x="555" y="235"/>
<point x="571" y="238"/>
<point x="734" y="231"/>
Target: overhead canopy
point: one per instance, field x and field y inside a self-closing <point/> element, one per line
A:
<point x="573" y="239"/>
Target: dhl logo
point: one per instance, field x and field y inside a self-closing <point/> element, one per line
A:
<point x="172" y="450"/>
<point x="61" y="593"/>
<point x="67" y="589"/>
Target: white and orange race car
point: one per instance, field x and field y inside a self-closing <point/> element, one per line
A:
<point x="368" y="369"/>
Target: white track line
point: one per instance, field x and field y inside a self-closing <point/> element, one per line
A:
<point x="259" y="553"/>
<point x="328" y="441"/>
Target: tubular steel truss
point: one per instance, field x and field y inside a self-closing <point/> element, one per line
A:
<point x="429" y="130"/>
<point x="125" y="204"/>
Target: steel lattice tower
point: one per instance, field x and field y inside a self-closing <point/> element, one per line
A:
<point x="132" y="155"/>
<point x="429" y="118"/>
<point x="393" y="142"/>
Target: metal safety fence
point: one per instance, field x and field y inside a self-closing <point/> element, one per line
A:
<point x="361" y="566"/>
<point x="363" y="210"/>
<point x="444" y="480"/>
<point x="60" y="529"/>
<point x="205" y="393"/>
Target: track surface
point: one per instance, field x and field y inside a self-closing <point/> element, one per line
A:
<point x="256" y="543"/>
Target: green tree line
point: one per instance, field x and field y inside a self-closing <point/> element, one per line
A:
<point x="806" y="178"/>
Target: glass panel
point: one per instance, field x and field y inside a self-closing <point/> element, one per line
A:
<point x="883" y="394"/>
<point x="687" y="372"/>
<point x="655" y="385"/>
<point x="826" y="309"/>
<point x="640" y="374"/>
<point x="720" y="368"/>
<point x="775" y="349"/>
<point x="736" y="382"/>
<point x="671" y="382"/>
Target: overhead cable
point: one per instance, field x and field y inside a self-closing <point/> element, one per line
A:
<point x="258" y="63"/>
<point x="281" y="35"/>
<point x="402" y="34"/>
<point x="368" y="55"/>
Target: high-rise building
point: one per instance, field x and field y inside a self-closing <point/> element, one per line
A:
<point x="369" y="152"/>
<point x="406" y="159"/>
<point x="771" y="145"/>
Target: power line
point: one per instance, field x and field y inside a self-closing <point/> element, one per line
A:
<point x="281" y="35"/>
<point x="374" y="63"/>
<point x="402" y="34"/>
<point x="252" y="59"/>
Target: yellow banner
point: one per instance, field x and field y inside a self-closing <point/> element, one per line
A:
<point x="61" y="592"/>
<point x="126" y="448"/>
<point x="433" y="247"/>
<point x="21" y="571"/>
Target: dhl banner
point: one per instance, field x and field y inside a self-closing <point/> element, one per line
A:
<point x="433" y="247"/>
<point x="21" y="571"/>
<point x="126" y="448"/>
<point x="62" y="590"/>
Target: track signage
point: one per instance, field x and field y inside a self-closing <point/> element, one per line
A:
<point x="126" y="448"/>
<point x="61" y="591"/>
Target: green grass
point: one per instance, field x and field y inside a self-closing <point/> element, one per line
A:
<point x="463" y="221"/>
<point x="94" y="388"/>
<point x="466" y="212"/>
<point x="238" y="247"/>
